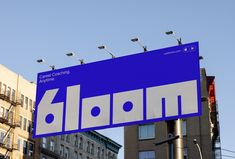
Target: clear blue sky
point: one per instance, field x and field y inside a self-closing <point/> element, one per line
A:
<point x="48" y="29"/>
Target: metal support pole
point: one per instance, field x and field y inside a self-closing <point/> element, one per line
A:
<point x="178" y="146"/>
<point x="170" y="141"/>
<point x="171" y="150"/>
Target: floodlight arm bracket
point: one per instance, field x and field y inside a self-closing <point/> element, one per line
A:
<point x="169" y="140"/>
<point x="144" y="47"/>
<point x="109" y="53"/>
<point x="52" y="67"/>
<point x="179" y="40"/>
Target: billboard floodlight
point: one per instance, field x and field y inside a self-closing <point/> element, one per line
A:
<point x="179" y="40"/>
<point x="169" y="32"/>
<point x="71" y="54"/>
<point x="40" y="60"/>
<point x="103" y="47"/>
<point x="134" y="39"/>
<point x="139" y="43"/>
<point x="43" y="61"/>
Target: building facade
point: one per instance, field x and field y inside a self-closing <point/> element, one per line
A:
<point x="139" y="140"/>
<point x="17" y="98"/>
<point x="86" y="145"/>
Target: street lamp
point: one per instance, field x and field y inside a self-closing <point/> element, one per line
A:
<point x="199" y="149"/>
<point x="71" y="54"/>
<point x="179" y="40"/>
<point x="139" y="43"/>
<point x="103" y="47"/>
<point x="200" y="57"/>
<point x="43" y="61"/>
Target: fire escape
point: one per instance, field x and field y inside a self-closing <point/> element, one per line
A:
<point x="8" y="120"/>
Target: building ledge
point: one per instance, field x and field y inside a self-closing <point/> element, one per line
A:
<point x="49" y="153"/>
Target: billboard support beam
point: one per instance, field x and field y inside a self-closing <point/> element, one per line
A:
<point x="178" y="146"/>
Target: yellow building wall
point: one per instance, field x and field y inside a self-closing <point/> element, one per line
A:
<point x="28" y="89"/>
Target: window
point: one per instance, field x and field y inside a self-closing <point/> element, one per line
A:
<point x="68" y="138"/>
<point x="4" y="88"/>
<point x="76" y="140"/>
<point x="52" y="145"/>
<point x="184" y="128"/>
<point x="185" y="153"/>
<point x="29" y="126"/>
<point x="66" y="154"/>
<point x="13" y="94"/>
<point x="92" y="149"/>
<point x="62" y="137"/>
<point x="2" y="112"/>
<point x="147" y="155"/>
<point x="109" y="155"/>
<point x="31" y="149"/>
<point x="44" y="142"/>
<point x="81" y="143"/>
<point x="32" y="126"/>
<point x="2" y="136"/>
<point x="147" y="131"/>
<point x="8" y="92"/>
<point x="8" y="141"/>
<point x="21" y="122"/>
<point x="102" y="154"/>
<point x="61" y="150"/>
<point x="75" y="154"/>
<point x="10" y="117"/>
<point x="6" y="114"/>
<point x="26" y="103"/>
<point x="98" y="152"/>
<point x="80" y="156"/>
<point x="19" y="144"/>
<point x="22" y="100"/>
<point x="88" y="147"/>
<point x="31" y="105"/>
<point x="25" y="123"/>
<point x="25" y="147"/>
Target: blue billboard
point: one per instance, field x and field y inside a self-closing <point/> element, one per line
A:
<point x="146" y="87"/>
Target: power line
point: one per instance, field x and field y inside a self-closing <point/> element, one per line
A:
<point x="228" y="150"/>
<point x="228" y="156"/>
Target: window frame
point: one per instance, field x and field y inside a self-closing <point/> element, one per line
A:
<point x="30" y="152"/>
<point x="52" y="145"/>
<point x="148" y="157"/>
<point x="142" y="137"/>
<point x="25" y="147"/>
<point x="44" y="142"/>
